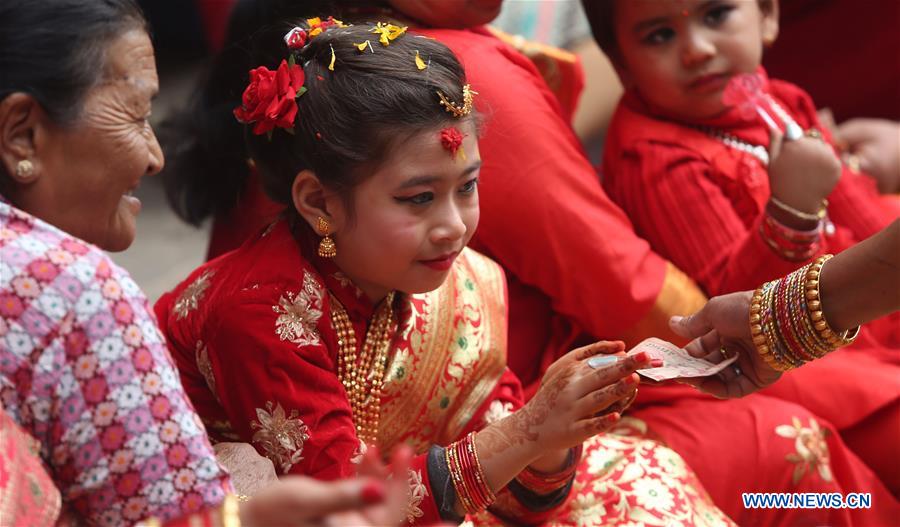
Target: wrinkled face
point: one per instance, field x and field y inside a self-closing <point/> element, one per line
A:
<point x="89" y="169"/>
<point x="680" y="54"/>
<point x="449" y="13"/>
<point x="412" y="217"/>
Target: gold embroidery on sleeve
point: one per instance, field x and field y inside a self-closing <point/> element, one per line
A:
<point x="299" y="313"/>
<point x="281" y="436"/>
<point x="189" y="299"/>
<point x="417" y="492"/>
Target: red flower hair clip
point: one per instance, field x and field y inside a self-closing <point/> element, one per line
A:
<point x="299" y="37"/>
<point x="296" y="38"/>
<point x="270" y="99"/>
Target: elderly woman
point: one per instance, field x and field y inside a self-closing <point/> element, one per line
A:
<point x="83" y="368"/>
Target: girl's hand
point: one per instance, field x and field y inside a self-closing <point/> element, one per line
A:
<point x="720" y="330"/>
<point x="802" y="173"/>
<point x="579" y="385"/>
<point x="389" y="511"/>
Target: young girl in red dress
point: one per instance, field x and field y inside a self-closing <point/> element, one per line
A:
<point x="359" y="319"/>
<point x="714" y="190"/>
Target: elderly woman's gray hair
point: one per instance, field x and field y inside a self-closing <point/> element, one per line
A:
<point x="54" y="50"/>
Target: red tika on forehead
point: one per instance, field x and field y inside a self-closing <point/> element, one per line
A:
<point x="451" y="140"/>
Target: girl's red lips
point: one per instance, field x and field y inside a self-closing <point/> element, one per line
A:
<point x="442" y="262"/>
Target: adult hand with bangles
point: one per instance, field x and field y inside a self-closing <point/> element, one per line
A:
<point x="795" y="319"/>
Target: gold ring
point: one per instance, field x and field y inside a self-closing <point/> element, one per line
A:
<point x="815" y="134"/>
<point x="853" y="163"/>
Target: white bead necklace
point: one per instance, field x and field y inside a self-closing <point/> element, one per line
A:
<point x="758" y="151"/>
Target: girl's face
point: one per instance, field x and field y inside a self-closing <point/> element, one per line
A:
<point x="680" y="54"/>
<point x="412" y="217"/>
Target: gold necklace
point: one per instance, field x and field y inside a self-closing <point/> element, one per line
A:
<point x="363" y="374"/>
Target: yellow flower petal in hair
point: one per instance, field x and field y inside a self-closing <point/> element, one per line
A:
<point x="333" y="57"/>
<point x="388" y="32"/>
<point x="419" y="62"/>
<point x="364" y="45"/>
<point x="317" y="25"/>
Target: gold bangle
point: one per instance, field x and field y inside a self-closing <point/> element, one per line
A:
<point x="761" y="330"/>
<point x="818" y="216"/>
<point x="231" y="512"/>
<point x="820" y="324"/>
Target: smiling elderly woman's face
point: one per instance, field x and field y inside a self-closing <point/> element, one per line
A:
<point x="84" y="172"/>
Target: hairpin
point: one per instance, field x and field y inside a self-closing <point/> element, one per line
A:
<point x="455" y="109"/>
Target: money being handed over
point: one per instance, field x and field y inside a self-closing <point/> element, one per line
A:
<point x="676" y="361"/>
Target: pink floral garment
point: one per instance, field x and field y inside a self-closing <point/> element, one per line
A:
<point x="85" y="371"/>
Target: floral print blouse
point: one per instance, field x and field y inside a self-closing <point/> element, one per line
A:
<point x="85" y="371"/>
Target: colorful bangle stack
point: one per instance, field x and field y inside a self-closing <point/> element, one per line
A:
<point x="541" y="483"/>
<point x="791" y="244"/>
<point x="787" y="324"/>
<point x="468" y="477"/>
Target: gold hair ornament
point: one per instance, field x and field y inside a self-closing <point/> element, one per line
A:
<point x="455" y="109"/>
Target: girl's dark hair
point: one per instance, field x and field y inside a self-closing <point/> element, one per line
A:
<point x="360" y="110"/>
<point x="55" y="50"/>
<point x="206" y="155"/>
<point x="350" y="118"/>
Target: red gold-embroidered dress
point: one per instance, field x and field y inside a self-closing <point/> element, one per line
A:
<point x="543" y="214"/>
<point x="253" y="335"/>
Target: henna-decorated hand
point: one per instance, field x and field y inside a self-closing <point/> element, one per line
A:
<point x="563" y="413"/>
<point x="579" y="385"/>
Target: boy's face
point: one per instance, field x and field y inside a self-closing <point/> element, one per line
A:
<point x="680" y="54"/>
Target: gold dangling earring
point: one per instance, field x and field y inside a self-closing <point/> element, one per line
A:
<point x="326" y="246"/>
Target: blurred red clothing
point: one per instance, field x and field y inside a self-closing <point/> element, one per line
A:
<point x="845" y="53"/>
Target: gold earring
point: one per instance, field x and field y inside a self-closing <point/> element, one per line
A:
<point x="326" y="246"/>
<point x="24" y="169"/>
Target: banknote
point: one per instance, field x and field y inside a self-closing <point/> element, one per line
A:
<point x="676" y="361"/>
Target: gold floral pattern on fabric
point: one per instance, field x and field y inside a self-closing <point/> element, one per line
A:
<point x="811" y="449"/>
<point x="205" y="367"/>
<point x="189" y="299"/>
<point x="496" y="411"/>
<point x="417" y="492"/>
<point x="280" y="436"/>
<point x="626" y="479"/>
<point x="447" y="358"/>
<point x="299" y="313"/>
